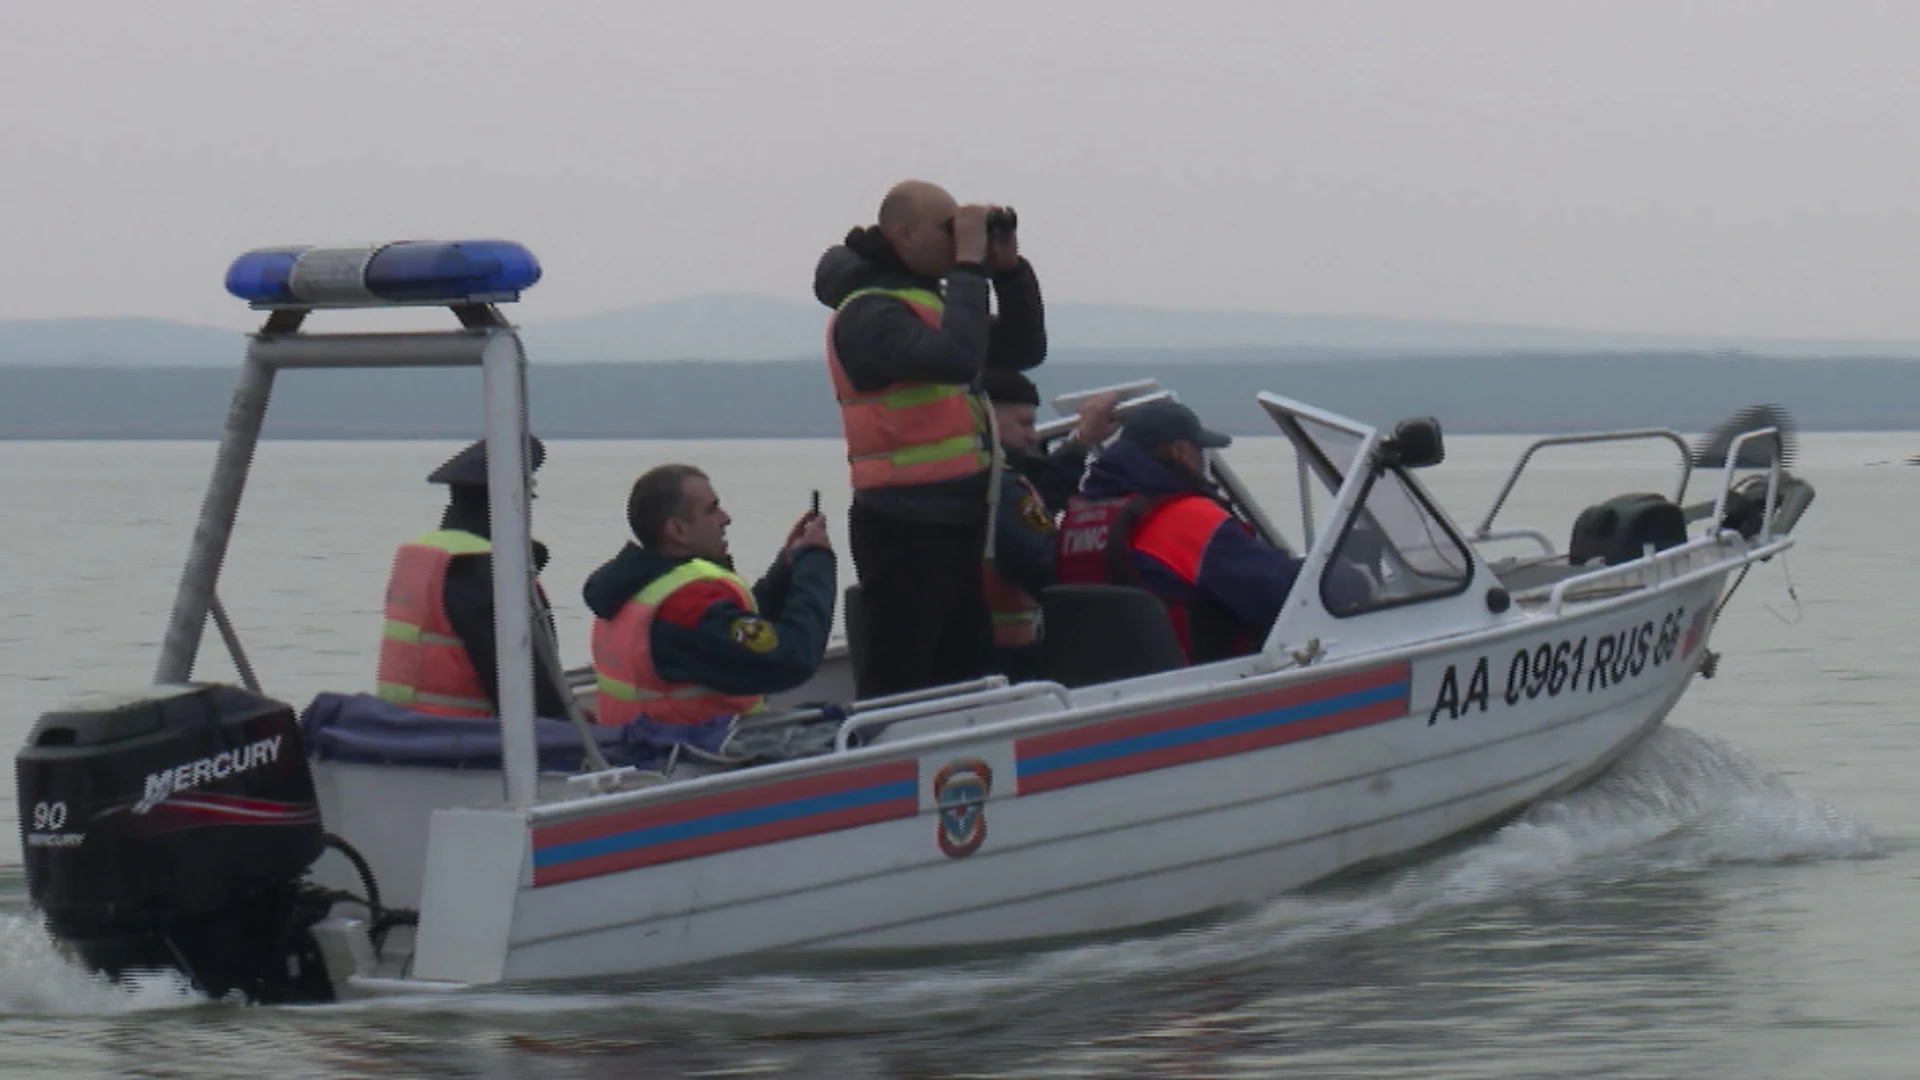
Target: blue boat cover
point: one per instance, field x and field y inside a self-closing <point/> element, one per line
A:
<point x="363" y="728"/>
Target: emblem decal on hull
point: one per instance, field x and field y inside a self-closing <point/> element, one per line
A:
<point x="960" y="792"/>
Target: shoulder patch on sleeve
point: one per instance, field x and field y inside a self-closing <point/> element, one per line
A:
<point x="1035" y="514"/>
<point x="753" y="633"/>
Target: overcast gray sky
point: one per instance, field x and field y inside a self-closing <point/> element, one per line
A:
<point x="1739" y="168"/>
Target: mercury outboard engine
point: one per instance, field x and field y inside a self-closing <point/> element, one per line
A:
<point x="172" y="830"/>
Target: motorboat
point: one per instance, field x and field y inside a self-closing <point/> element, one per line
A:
<point x="346" y="846"/>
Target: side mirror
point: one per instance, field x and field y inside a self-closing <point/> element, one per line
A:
<point x="1414" y="444"/>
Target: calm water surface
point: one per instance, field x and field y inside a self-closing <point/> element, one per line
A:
<point x="1734" y="900"/>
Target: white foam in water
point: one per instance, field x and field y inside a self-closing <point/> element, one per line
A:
<point x="36" y="980"/>
<point x="1680" y="802"/>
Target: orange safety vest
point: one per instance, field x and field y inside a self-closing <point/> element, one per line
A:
<point x="423" y="665"/>
<point x="1016" y="616"/>
<point x="1098" y="538"/>
<point x="910" y="432"/>
<point x="626" y="684"/>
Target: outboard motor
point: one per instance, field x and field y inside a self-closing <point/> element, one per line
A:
<point x="172" y="830"/>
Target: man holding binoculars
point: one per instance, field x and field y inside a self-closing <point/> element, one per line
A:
<point x="906" y="345"/>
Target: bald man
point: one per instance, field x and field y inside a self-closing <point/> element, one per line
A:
<point x="906" y="348"/>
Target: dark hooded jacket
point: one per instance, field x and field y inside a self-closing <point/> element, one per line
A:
<point x="1055" y="475"/>
<point x="692" y="637"/>
<point x="880" y="341"/>
<point x="1023" y="551"/>
<point x="468" y="596"/>
<point x="1239" y="571"/>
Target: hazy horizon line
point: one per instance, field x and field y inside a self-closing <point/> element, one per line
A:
<point x="797" y="301"/>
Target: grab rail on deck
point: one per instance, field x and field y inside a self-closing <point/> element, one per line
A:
<point x="1519" y="533"/>
<point x="1653" y="561"/>
<point x="1001" y="695"/>
<point x="1773" y="482"/>
<point x="1686" y="462"/>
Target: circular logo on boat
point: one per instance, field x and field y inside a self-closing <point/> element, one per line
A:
<point x="960" y="792"/>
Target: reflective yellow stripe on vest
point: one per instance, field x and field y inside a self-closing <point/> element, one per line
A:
<point x="395" y="630"/>
<point x="652" y="596"/>
<point x="908" y="397"/>
<point x="923" y="297"/>
<point x="453" y="542"/>
<point x="614" y="688"/>
<point x="407" y="695"/>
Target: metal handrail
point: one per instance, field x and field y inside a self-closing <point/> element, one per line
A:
<point x="807" y="713"/>
<point x="1303" y="479"/>
<point x="998" y="696"/>
<point x="932" y="693"/>
<point x="1060" y="425"/>
<point x="232" y="637"/>
<point x="1557" y="597"/>
<point x="1686" y="461"/>
<point x="1518" y="533"/>
<point x="486" y="341"/>
<point x="1068" y="405"/>
<point x="1773" y="481"/>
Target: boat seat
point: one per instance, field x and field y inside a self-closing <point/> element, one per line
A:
<point x="1102" y="633"/>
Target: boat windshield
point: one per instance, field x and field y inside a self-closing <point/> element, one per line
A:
<point x="1401" y="543"/>
<point x="1325" y="448"/>
<point x="1335" y="448"/>
<point x="1395" y="536"/>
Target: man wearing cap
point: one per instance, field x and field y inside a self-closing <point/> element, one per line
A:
<point x="1032" y="490"/>
<point x="1054" y="475"/>
<point x="437" y="649"/>
<point x="1148" y="516"/>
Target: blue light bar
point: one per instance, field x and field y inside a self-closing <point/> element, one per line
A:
<point x="377" y="275"/>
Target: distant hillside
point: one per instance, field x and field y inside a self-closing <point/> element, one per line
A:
<point x="1514" y="393"/>
<point x="128" y="342"/>
<point x="696" y="328"/>
<point x="1100" y="326"/>
<point x="742" y="327"/>
<point x="775" y="328"/>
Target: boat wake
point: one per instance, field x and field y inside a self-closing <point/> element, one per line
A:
<point x="1679" y="804"/>
<point x="37" y="980"/>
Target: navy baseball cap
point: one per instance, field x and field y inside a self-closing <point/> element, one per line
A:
<point x="1158" y="423"/>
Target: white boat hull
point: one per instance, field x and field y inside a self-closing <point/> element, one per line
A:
<point x="1405" y="690"/>
<point x="1094" y="819"/>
